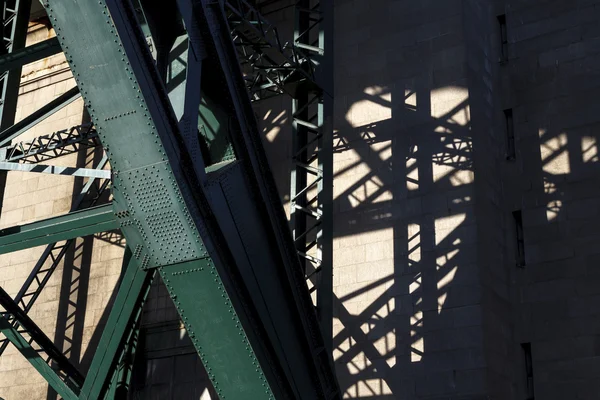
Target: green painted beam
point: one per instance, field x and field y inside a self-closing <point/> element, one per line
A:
<point x="21" y="320"/>
<point x="127" y="306"/>
<point x="29" y="54"/>
<point x="121" y="380"/>
<point x="52" y="230"/>
<point x="36" y="360"/>
<point x="162" y="209"/>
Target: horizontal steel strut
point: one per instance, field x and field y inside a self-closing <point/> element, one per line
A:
<point x="55" y="170"/>
<point x="51" y="146"/>
<point x="55" y="229"/>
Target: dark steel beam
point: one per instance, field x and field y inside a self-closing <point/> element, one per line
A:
<point x="15" y="20"/>
<point x="73" y="379"/>
<point x="29" y="54"/>
<point x="64" y="227"/>
<point x="54" y="253"/>
<point x="26" y="123"/>
<point x="249" y="148"/>
<point x="25" y="348"/>
<point x="121" y="321"/>
<point x="51" y="146"/>
<point x="311" y="196"/>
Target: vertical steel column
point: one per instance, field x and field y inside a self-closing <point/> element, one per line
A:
<point x="15" y="18"/>
<point x="311" y="213"/>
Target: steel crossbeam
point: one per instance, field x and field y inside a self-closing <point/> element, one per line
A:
<point x="54" y="253"/>
<point x="52" y="230"/>
<point x="26" y="123"/>
<point x="39" y="363"/>
<point x="29" y="54"/>
<point x="55" y="170"/>
<point x="47" y="147"/>
<point x="64" y="372"/>
<point x="270" y="66"/>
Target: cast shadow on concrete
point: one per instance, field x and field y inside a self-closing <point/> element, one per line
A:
<point x="412" y="224"/>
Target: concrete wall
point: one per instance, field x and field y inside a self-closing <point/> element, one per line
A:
<point x="551" y="83"/>
<point x="408" y="314"/>
<point x="429" y="300"/>
<point x="74" y="302"/>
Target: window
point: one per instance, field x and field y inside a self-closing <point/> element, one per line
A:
<point x="528" y="370"/>
<point x="520" y="242"/>
<point x="503" y="38"/>
<point x="511" y="153"/>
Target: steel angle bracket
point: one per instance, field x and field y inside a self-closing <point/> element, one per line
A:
<point x="161" y="208"/>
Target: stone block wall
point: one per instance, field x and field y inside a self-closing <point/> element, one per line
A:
<point x="551" y="81"/>
<point x="74" y="302"/>
<point x="408" y="316"/>
<point x="430" y="302"/>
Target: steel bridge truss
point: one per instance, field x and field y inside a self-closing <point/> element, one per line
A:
<point x="191" y="188"/>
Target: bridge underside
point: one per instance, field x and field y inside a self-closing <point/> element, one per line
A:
<point x="168" y="88"/>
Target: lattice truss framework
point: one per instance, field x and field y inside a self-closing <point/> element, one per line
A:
<point x="252" y="63"/>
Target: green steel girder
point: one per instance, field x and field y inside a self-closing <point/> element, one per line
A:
<point x="162" y="210"/>
<point x="29" y="54"/>
<point x="121" y="380"/>
<point x="123" y="371"/>
<point x="36" y="360"/>
<point x="121" y="321"/>
<point x="52" y="230"/>
<point x="72" y="379"/>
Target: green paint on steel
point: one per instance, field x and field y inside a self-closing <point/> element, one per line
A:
<point x="214" y="125"/>
<point x="29" y="54"/>
<point x="148" y="202"/>
<point x="213" y="120"/>
<point x="193" y="286"/>
<point x="52" y="230"/>
<point x="126" y="308"/>
<point x="121" y="381"/>
<point x="36" y="360"/>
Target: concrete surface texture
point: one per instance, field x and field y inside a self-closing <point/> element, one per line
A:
<point x="466" y="198"/>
